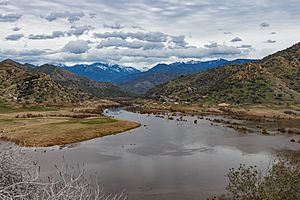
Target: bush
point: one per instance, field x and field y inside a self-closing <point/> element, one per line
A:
<point x="19" y="180"/>
<point x="282" y="182"/>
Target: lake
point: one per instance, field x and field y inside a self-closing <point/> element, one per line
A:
<point x="167" y="159"/>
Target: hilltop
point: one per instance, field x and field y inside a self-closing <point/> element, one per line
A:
<point x="273" y="80"/>
<point x="101" y="72"/>
<point x="21" y="85"/>
<point x="76" y="83"/>
<point x="25" y="83"/>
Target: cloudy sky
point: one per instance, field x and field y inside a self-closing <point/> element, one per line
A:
<point x="141" y="33"/>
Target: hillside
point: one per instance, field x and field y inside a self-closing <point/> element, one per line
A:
<point x="274" y="80"/>
<point x="20" y="85"/>
<point x="79" y="84"/>
<point x="140" y="83"/>
<point x="101" y="72"/>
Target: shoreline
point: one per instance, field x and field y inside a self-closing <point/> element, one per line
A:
<point x="254" y="111"/>
<point x="44" y="140"/>
<point x="248" y="123"/>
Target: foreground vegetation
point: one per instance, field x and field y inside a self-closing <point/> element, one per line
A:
<point x="281" y="182"/>
<point x="20" y="180"/>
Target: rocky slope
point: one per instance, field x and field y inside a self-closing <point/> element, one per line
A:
<point x="25" y="83"/>
<point x="274" y="80"/>
<point x="21" y="85"/>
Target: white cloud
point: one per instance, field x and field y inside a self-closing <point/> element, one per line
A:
<point x="116" y="42"/>
<point x="150" y="37"/>
<point x="152" y="31"/>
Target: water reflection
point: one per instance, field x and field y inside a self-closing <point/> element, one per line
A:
<point x="167" y="159"/>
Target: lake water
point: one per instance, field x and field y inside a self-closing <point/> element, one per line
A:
<point x="167" y="159"/>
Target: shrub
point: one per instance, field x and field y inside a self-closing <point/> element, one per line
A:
<point x="19" y="180"/>
<point x="281" y="182"/>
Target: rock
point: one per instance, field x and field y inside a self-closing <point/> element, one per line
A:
<point x="264" y="132"/>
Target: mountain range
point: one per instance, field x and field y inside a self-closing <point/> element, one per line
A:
<point x="139" y="82"/>
<point x="273" y="80"/>
<point x="101" y="72"/>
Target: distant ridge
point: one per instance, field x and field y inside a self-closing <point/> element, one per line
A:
<point x="101" y="72"/>
<point x="76" y="83"/>
<point x="140" y="83"/>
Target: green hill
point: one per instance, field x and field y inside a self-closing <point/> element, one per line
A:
<point x="274" y="80"/>
<point x="21" y="85"/>
<point x="49" y="84"/>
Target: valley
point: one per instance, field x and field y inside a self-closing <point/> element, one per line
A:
<point x="185" y="120"/>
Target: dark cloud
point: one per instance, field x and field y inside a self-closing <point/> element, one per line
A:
<point x="245" y="46"/>
<point x="93" y="15"/>
<point x="264" y="25"/>
<point x="137" y="27"/>
<point x="227" y="32"/>
<point x="179" y="41"/>
<point x="212" y="45"/>
<point x="270" y="41"/>
<point x="236" y="39"/>
<point x="273" y="33"/>
<point x="71" y="17"/>
<point x="75" y="30"/>
<point x="29" y="55"/>
<point x="14" y="37"/>
<point x="16" y="29"/>
<point x="114" y="26"/>
<point x="4" y="3"/>
<point x="76" y="47"/>
<point x="55" y="34"/>
<point x="9" y="17"/>
<point x="79" y="30"/>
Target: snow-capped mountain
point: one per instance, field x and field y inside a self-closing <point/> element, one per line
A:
<point x="140" y="83"/>
<point x="102" y="72"/>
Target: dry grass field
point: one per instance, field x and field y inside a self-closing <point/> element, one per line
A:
<point x="58" y="126"/>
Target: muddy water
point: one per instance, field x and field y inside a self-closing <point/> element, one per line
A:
<point x="167" y="159"/>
